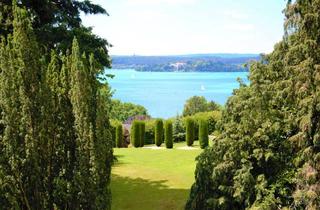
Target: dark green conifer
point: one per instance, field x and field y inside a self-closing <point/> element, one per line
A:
<point x="55" y="143"/>
<point x="142" y="133"/>
<point x="267" y="155"/>
<point x="119" y="136"/>
<point x="135" y="137"/>
<point x="190" y="131"/>
<point x="168" y="134"/>
<point x="203" y="133"/>
<point x="158" y="132"/>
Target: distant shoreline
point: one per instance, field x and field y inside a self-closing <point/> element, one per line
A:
<point x="186" y="63"/>
<point x="130" y="69"/>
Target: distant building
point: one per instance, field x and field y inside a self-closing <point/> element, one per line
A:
<point x="178" y="65"/>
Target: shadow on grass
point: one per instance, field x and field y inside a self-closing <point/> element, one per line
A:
<point x="117" y="160"/>
<point x="141" y="194"/>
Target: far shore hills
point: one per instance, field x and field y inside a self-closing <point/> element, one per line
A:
<point x="185" y="63"/>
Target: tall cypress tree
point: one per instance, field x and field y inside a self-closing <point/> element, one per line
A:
<point x="55" y="143"/>
<point x="158" y="132"/>
<point x="20" y="101"/>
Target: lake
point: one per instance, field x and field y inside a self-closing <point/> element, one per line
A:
<point x="164" y="93"/>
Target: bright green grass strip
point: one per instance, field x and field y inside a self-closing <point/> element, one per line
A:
<point x="147" y="179"/>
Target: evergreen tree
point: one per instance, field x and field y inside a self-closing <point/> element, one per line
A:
<point x="119" y="135"/>
<point x="246" y="157"/>
<point x="135" y="137"/>
<point x="20" y="103"/>
<point x="203" y="134"/>
<point x="190" y="131"/>
<point x="158" y="130"/>
<point x="168" y="134"/>
<point x="56" y="149"/>
<point x="267" y="156"/>
<point x="142" y="133"/>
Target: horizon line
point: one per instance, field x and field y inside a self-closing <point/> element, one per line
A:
<point x="187" y="54"/>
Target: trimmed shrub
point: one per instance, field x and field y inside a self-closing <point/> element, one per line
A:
<point x="119" y="135"/>
<point x="212" y="118"/>
<point x="158" y="130"/>
<point x="190" y="125"/>
<point x="135" y="134"/>
<point x="168" y="134"/>
<point x="203" y="133"/>
<point x="142" y="132"/>
<point x="149" y="135"/>
<point x="113" y="126"/>
<point x="196" y="129"/>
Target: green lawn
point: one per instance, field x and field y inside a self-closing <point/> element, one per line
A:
<point x="148" y="179"/>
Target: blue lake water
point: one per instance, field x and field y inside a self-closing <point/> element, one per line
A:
<point x="164" y="93"/>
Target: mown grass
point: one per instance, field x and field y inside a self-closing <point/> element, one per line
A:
<point x="148" y="179"/>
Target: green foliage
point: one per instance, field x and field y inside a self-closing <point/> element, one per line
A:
<point x="119" y="136"/>
<point x="197" y="104"/>
<point x="267" y="153"/>
<point x="203" y="134"/>
<point x="190" y="131"/>
<point x="168" y="134"/>
<point x="158" y="130"/>
<point x="55" y="143"/>
<point x="122" y="111"/>
<point x="135" y="136"/>
<point x="113" y="128"/>
<point x="56" y="23"/>
<point x="150" y="137"/>
<point x="212" y="118"/>
<point x="142" y="132"/>
<point x="179" y="132"/>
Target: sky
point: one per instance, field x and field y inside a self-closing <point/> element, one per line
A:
<point x="176" y="27"/>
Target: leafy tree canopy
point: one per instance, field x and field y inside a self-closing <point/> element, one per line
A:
<point x="57" y="22"/>
<point x="198" y="104"/>
<point x="268" y="153"/>
<point x="122" y="111"/>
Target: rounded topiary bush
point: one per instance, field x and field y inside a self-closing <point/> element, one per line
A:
<point x="190" y="130"/>
<point x="158" y="130"/>
<point x="119" y="135"/>
<point x="135" y="134"/>
<point x="168" y="134"/>
<point x="203" y="133"/>
<point x="142" y="132"/>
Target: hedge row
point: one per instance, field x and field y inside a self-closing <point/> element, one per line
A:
<point x="164" y="132"/>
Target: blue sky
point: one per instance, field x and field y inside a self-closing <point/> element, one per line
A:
<point x="169" y="27"/>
